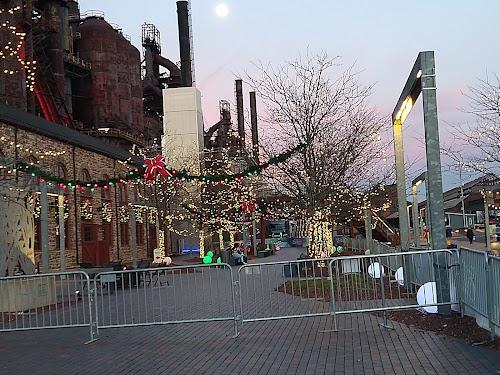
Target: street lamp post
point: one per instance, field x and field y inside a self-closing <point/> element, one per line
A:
<point x="462" y="194"/>
<point x="416" y="222"/>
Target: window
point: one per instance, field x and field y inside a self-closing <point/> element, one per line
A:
<point x="136" y="193"/>
<point x="60" y="170"/>
<point x="86" y="177"/>
<point x="3" y="170"/>
<point x="87" y="233"/>
<point x="139" y="233"/>
<point x="124" y="237"/>
<point x="105" y="194"/>
<point x="122" y="193"/>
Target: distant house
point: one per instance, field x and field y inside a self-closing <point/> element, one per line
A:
<point x="473" y="203"/>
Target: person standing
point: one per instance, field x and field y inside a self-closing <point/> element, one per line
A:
<point x="470" y="235"/>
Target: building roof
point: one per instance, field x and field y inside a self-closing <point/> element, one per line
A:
<point x="452" y="203"/>
<point x="35" y="124"/>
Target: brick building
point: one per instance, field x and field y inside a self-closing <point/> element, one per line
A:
<point x="98" y="225"/>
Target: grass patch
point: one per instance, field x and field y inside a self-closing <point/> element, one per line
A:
<point x="359" y="281"/>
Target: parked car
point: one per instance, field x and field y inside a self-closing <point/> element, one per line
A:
<point x="498" y="233"/>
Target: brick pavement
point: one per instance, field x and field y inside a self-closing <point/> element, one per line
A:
<point x="291" y="346"/>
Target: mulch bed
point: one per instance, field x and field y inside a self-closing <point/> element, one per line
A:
<point x="320" y="289"/>
<point x="455" y="326"/>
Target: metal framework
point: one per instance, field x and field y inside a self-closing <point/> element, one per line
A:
<point x="422" y="79"/>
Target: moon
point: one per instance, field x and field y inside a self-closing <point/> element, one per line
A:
<point x="222" y="10"/>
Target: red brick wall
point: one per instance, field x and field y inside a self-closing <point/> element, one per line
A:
<point x="74" y="160"/>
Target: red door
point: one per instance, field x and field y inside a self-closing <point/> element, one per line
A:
<point x="90" y="244"/>
<point x="104" y="245"/>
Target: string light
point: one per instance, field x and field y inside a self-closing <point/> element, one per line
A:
<point x="13" y="49"/>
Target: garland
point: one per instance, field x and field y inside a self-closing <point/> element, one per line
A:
<point x="156" y="165"/>
<point x="139" y="174"/>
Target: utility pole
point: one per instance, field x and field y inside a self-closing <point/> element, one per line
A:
<point x="486" y="220"/>
<point x="462" y="195"/>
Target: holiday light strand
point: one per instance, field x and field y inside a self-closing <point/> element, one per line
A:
<point x="137" y="175"/>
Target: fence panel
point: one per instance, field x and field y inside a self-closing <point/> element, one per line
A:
<point x="473" y="280"/>
<point x="495" y="290"/>
<point x="52" y="300"/>
<point x="283" y="290"/>
<point x="183" y="294"/>
<point x="373" y="283"/>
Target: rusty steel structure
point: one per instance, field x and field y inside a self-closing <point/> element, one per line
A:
<point x="88" y="72"/>
<point x="91" y="78"/>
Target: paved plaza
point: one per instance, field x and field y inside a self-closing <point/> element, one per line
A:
<point x="291" y="346"/>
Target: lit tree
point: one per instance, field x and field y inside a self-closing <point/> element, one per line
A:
<point x="311" y="100"/>
<point x="476" y="145"/>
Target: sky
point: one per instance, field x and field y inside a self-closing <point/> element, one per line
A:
<point x="381" y="37"/>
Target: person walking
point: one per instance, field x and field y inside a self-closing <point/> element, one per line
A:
<point x="470" y="235"/>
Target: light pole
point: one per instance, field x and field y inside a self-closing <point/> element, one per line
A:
<point x="460" y="166"/>
<point x="416" y="226"/>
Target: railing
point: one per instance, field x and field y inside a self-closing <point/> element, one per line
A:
<point x="118" y="133"/>
<point x="281" y="290"/>
<point x="92" y="13"/>
<point x="480" y="288"/>
<point x="54" y="300"/>
<point x="184" y="294"/>
<point x="387" y="280"/>
<point x="69" y="57"/>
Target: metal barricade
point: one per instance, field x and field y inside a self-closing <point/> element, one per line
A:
<point x="184" y="294"/>
<point x="51" y="300"/>
<point x="480" y="288"/>
<point x="393" y="281"/>
<point x="494" y="298"/>
<point x="281" y="290"/>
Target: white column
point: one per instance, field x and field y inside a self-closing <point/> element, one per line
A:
<point x="414" y="211"/>
<point x="133" y="237"/>
<point x="44" y="227"/>
<point x="62" y="231"/>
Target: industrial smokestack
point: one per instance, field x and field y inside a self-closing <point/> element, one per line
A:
<point x="239" y="112"/>
<point x="185" y="43"/>
<point x="255" y="133"/>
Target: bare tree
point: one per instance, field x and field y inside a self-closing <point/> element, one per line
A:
<point x="476" y="144"/>
<point x="314" y="100"/>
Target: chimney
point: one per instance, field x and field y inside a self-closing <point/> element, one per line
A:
<point x="239" y="112"/>
<point x="255" y="133"/>
<point x="185" y="43"/>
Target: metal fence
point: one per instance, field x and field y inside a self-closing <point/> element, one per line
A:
<point x="386" y="280"/>
<point x="392" y="281"/>
<point x="281" y="290"/>
<point x="480" y="287"/>
<point x="341" y="285"/>
<point x="184" y="294"/>
<point x="55" y="300"/>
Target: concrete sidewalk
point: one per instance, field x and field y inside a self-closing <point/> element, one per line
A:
<point x="294" y="346"/>
<point x="288" y="346"/>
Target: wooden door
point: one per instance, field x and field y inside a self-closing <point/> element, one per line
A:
<point x="90" y="244"/>
<point x="104" y="245"/>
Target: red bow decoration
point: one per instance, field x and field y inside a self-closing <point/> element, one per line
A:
<point x="155" y="167"/>
<point x="248" y="207"/>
